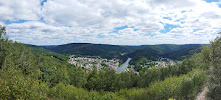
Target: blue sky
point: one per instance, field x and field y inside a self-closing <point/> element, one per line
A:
<point x="118" y="22"/>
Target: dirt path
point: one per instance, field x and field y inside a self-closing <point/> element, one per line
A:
<point x="202" y="95"/>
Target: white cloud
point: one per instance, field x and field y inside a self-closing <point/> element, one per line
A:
<point x="82" y="20"/>
<point x="180" y="32"/>
<point x="19" y="10"/>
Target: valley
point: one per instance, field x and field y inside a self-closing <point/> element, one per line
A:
<point x="89" y="62"/>
<point x="110" y="50"/>
<point x="80" y="72"/>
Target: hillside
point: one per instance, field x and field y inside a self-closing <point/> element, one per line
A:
<point x="183" y="53"/>
<point x="151" y="52"/>
<point x="172" y="51"/>
<point x="37" y="49"/>
<point x="40" y="50"/>
<point x="103" y="50"/>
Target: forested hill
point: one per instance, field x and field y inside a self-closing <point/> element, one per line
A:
<point x="40" y="50"/>
<point x="172" y="51"/>
<point x="103" y="50"/>
<point x="37" y="49"/>
<point x="181" y="54"/>
<point x="176" y="52"/>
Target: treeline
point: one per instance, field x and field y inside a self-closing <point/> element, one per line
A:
<point x="89" y="49"/>
<point x="27" y="75"/>
<point x="184" y="87"/>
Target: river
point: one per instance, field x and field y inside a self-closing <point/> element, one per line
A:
<point x="123" y="67"/>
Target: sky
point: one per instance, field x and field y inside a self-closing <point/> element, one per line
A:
<point x="117" y="22"/>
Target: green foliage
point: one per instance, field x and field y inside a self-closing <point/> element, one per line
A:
<point x="46" y="52"/>
<point x="215" y="79"/>
<point x="52" y="70"/>
<point x="20" y="71"/>
<point x="175" y="52"/>
<point x="3" y="33"/>
<point x="152" y="75"/>
<point x="183" y="53"/>
<point x="181" y="88"/>
<point x="149" y="76"/>
<point x="205" y="57"/>
<point x="131" y="94"/>
<point x="186" y="87"/>
<point x="60" y="91"/>
<point x="78" y="77"/>
<point x="69" y="92"/>
<point x="47" y="75"/>
<point x="127" y="80"/>
<point x="14" y="85"/>
<point x="105" y="80"/>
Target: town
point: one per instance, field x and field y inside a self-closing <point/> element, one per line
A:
<point x="89" y="62"/>
<point x="158" y="63"/>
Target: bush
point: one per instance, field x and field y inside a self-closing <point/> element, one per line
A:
<point x="69" y="92"/>
<point x="182" y="87"/>
<point x="13" y="85"/>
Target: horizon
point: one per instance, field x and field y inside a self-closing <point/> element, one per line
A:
<point x="118" y="45"/>
<point x="115" y="22"/>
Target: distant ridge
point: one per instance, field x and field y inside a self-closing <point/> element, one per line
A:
<point x="173" y="51"/>
<point x="103" y="50"/>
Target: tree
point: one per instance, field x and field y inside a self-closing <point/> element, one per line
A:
<point x="110" y="79"/>
<point x="206" y="57"/>
<point x="78" y="77"/>
<point x="2" y="43"/>
<point x="186" y="88"/>
<point x="2" y="32"/>
<point x="92" y="80"/>
<point x="215" y="77"/>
